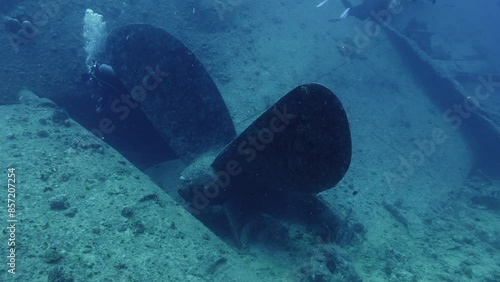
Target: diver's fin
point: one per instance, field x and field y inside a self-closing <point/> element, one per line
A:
<point x="173" y="88"/>
<point x="301" y="144"/>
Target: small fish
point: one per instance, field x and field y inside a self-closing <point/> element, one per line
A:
<point x="345" y="14"/>
<point x="322" y="3"/>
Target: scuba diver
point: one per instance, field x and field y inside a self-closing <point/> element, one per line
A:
<point x="368" y="7"/>
<point x="103" y="78"/>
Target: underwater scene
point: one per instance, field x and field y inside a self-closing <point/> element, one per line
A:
<point x="244" y="140"/>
